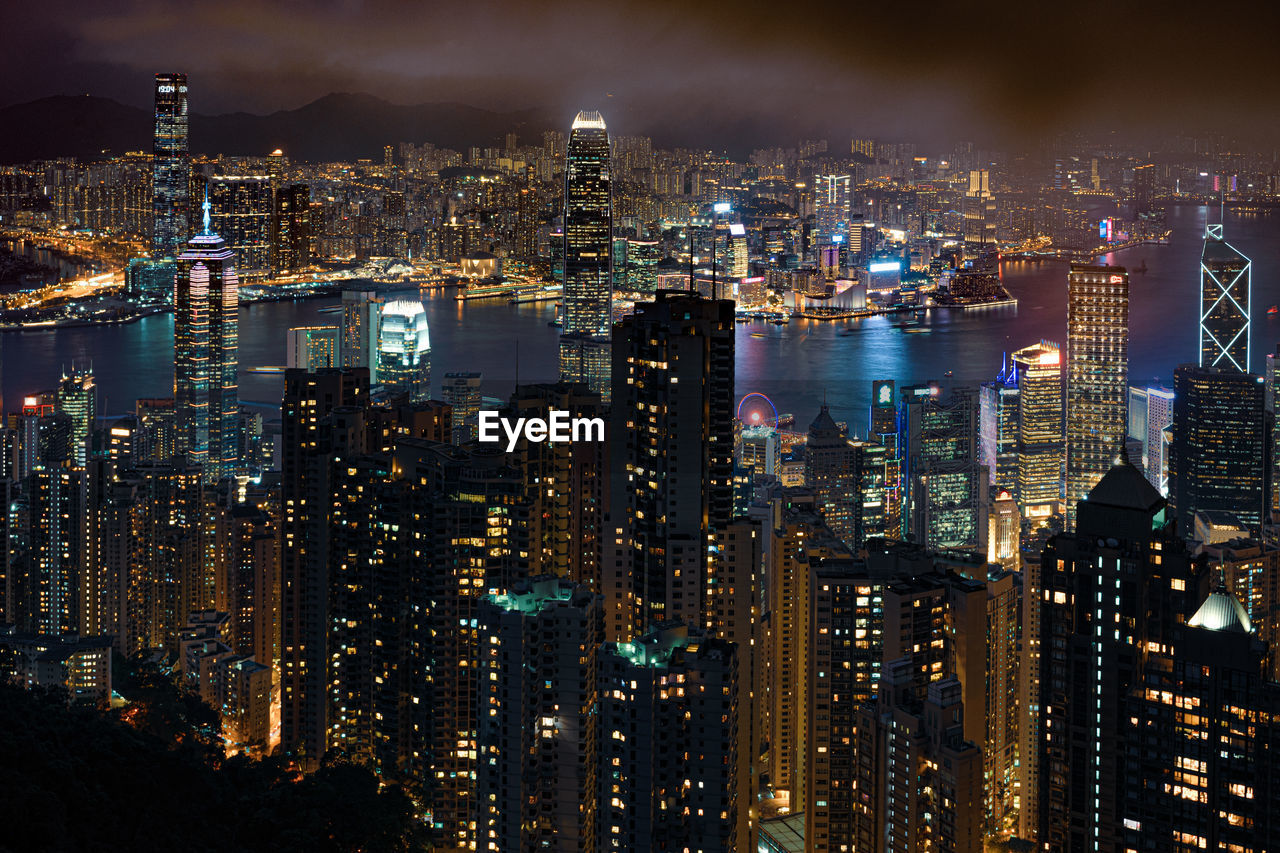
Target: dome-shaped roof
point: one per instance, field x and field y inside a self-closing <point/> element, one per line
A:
<point x="1221" y="611"/>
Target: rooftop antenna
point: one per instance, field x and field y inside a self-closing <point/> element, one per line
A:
<point x="207" y="207"/>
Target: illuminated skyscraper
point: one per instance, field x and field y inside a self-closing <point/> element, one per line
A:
<point x="831" y="207"/>
<point x="313" y="347"/>
<point x="171" y="169"/>
<point x="77" y="397"/>
<point x="947" y="486"/>
<point x="291" y="229"/>
<point x="205" y="350"/>
<point x="588" y="278"/>
<point x="1225" y="295"/>
<point x="998" y="422"/>
<point x="404" y="349"/>
<point x="979" y="216"/>
<point x="1155" y="448"/>
<point x="361" y="319"/>
<point x="241" y="213"/>
<point x="672" y="477"/>
<point x="1097" y="376"/>
<point x="1039" y="438"/>
<point x="1218" y="461"/>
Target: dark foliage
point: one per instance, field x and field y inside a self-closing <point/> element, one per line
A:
<point x="75" y="778"/>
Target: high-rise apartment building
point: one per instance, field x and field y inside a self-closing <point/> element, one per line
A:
<point x="979" y="216"/>
<point x="588" y="276"/>
<point x="538" y="732"/>
<point x="1097" y="376"/>
<point x="206" y="354"/>
<point x="171" y="167"/>
<point x="672" y="458"/>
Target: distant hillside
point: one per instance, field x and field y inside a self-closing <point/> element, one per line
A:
<point x="336" y="127"/>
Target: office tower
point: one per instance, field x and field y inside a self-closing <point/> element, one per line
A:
<point x="588" y="279"/>
<point x="565" y="484"/>
<point x="884" y="429"/>
<point x="171" y="168"/>
<point x="757" y="451"/>
<point x="1218" y="461"/>
<point x="998" y="409"/>
<point x="1137" y="414"/>
<point x="642" y="265"/>
<point x="291" y="229"/>
<point x="668" y="746"/>
<point x="1039" y="433"/>
<point x="831" y="209"/>
<point x="309" y="397"/>
<point x="313" y="347"/>
<point x="738" y="262"/>
<point x="77" y="398"/>
<point x="150" y="280"/>
<point x="404" y="349"/>
<point x="672" y="477"/>
<point x="922" y="779"/>
<point x="1005" y="532"/>
<point x="947" y="488"/>
<point x="848" y="479"/>
<point x="1225" y="296"/>
<point x="205" y="353"/>
<point x="1112" y="594"/>
<point x="361" y="322"/>
<point x="1097" y="375"/>
<point x="1154" y="450"/>
<point x="979" y="216"/>
<point x="537" y="737"/>
<point x="462" y="392"/>
<point x="241" y="212"/>
<point x="1272" y="377"/>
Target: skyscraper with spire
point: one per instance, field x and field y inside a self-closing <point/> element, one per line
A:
<point x="205" y="350"/>
<point x="171" y="167"/>
<point x="588" y="276"/>
<point x="1225" y="291"/>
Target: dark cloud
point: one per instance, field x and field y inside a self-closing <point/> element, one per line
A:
<point x="770" y="70"/>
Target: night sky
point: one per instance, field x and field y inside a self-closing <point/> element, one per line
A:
<point x="985" y="71"/>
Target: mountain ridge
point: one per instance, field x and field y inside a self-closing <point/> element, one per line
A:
<point x="88" y="126"/>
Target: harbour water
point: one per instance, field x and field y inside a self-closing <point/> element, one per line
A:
<point x="797" y="365"/>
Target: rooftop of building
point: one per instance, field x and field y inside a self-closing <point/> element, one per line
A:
<point x="1124" y="487"/>
<point x="1222" y="611"/>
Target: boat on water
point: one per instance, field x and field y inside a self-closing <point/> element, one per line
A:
<point x="742" y="319"/>
<point x="786" y="420"/>
<point x="917" y="330"/>
<point x="757" y="334"/>
<point x="330" y="309"/>
<point x="1273" y="310"/>
<point x="1142" y="267"/>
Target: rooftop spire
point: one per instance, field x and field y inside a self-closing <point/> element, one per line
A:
<point x="207" y="207"/>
